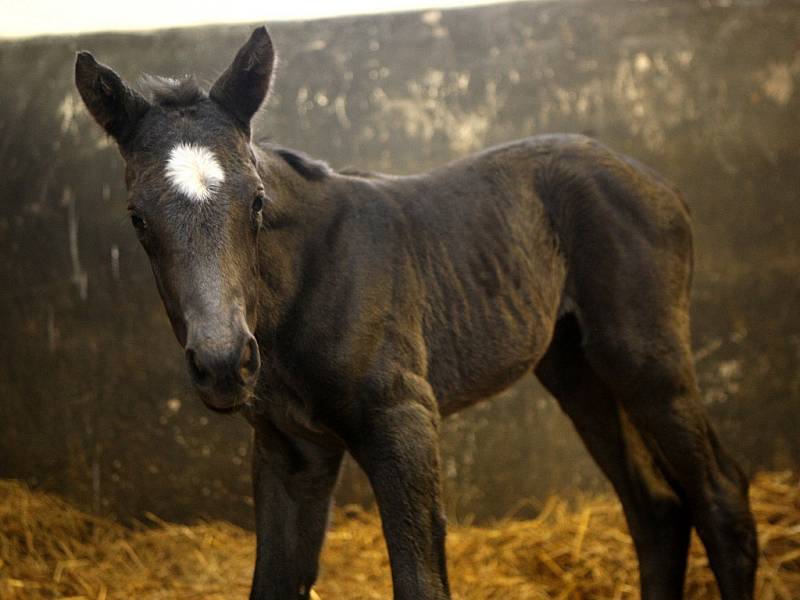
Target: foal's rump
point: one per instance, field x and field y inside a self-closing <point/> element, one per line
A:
<point x="625" y="234"/>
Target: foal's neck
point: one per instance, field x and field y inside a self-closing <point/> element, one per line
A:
<point x="296" y="218"/>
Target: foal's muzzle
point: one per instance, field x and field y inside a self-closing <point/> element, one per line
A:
<point x="224" y="372"/>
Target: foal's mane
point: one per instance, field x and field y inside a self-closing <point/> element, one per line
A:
<point x="311" y="169"/>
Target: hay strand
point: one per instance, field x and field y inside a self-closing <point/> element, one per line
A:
<point x="48" y="549"/>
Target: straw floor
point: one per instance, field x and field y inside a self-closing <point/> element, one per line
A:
<point x="576" y="550"/>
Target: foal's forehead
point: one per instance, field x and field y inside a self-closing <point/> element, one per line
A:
<point x="191" y="151"/>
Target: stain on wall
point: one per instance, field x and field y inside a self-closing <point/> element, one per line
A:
<point x="94" y="401"/>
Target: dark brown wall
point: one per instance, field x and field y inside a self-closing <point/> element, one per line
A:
<point x="93" y="398"/>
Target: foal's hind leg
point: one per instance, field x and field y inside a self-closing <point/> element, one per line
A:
<point x="657" y="519"/>
<point x="653" y="377"/>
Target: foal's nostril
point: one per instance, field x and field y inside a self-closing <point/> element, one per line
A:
<point x="200" y="375"/>
<point x="249" y="362"/>
<point x="224" y="367"/>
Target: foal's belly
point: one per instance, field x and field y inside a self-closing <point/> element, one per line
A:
<point x="453" y="398"/>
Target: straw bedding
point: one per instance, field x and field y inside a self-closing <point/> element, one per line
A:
<point x="575" y="550"/>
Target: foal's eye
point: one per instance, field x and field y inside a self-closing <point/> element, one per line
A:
<point x="258" y="202"/>
<point x="138" y="222"/>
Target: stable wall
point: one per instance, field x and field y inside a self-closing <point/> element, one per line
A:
<point x="94" y="400"/>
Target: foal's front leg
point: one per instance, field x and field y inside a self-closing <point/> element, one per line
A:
<point x="292" y="484"/>
<point x="398" y="449"/>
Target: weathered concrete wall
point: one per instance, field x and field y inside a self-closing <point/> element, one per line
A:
<point x="93" y="398"/>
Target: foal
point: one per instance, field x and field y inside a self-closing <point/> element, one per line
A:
<point x="348" y="312"/>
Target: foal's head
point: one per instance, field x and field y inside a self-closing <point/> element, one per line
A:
<point x="195" y="200"/>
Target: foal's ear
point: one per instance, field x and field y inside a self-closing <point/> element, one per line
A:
<point x="241" y="89"/>
<point x="114" y="105"/>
